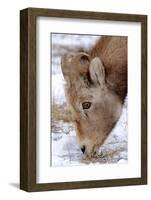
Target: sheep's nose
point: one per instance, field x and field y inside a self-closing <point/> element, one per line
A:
<point x="83" y="149"/>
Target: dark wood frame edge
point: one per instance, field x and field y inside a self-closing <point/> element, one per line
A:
<point x="28" y="99"/>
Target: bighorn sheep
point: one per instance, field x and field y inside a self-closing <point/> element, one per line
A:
<point x="96" y="86"/>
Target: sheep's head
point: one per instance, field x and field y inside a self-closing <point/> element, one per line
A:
<point x="95" y="109"/>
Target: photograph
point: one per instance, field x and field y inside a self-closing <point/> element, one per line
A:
<point x="83" y="94"/>
<point x="89" y="99"/>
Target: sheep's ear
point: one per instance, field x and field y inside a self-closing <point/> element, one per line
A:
<point x="97" y="72"/>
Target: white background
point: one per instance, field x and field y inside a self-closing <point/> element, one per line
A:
<point x="9" y="99"/>
<point x="111" y="171"/>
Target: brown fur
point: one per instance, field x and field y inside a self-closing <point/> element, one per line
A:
<point x="99" y="77"/>
<point x="113" y="53"/>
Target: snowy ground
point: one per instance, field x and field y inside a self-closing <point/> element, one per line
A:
<point x="66" y="151"/>
<point x="64" y="146"/>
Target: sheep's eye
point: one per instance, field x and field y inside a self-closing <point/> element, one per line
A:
<point x="86" y="105"/>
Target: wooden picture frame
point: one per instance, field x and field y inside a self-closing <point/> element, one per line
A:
<point x="28" y="98"/>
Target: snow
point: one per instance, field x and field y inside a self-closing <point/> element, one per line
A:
<point x="61" y="43"/>
<point x="77" y="41"/>
<point x="65" y="150"/>
<point x="58" y="88"/>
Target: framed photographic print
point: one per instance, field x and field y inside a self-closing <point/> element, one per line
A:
<point x="83" y="99"/>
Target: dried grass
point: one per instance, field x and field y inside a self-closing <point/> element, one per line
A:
<point x="60" y="112"/>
